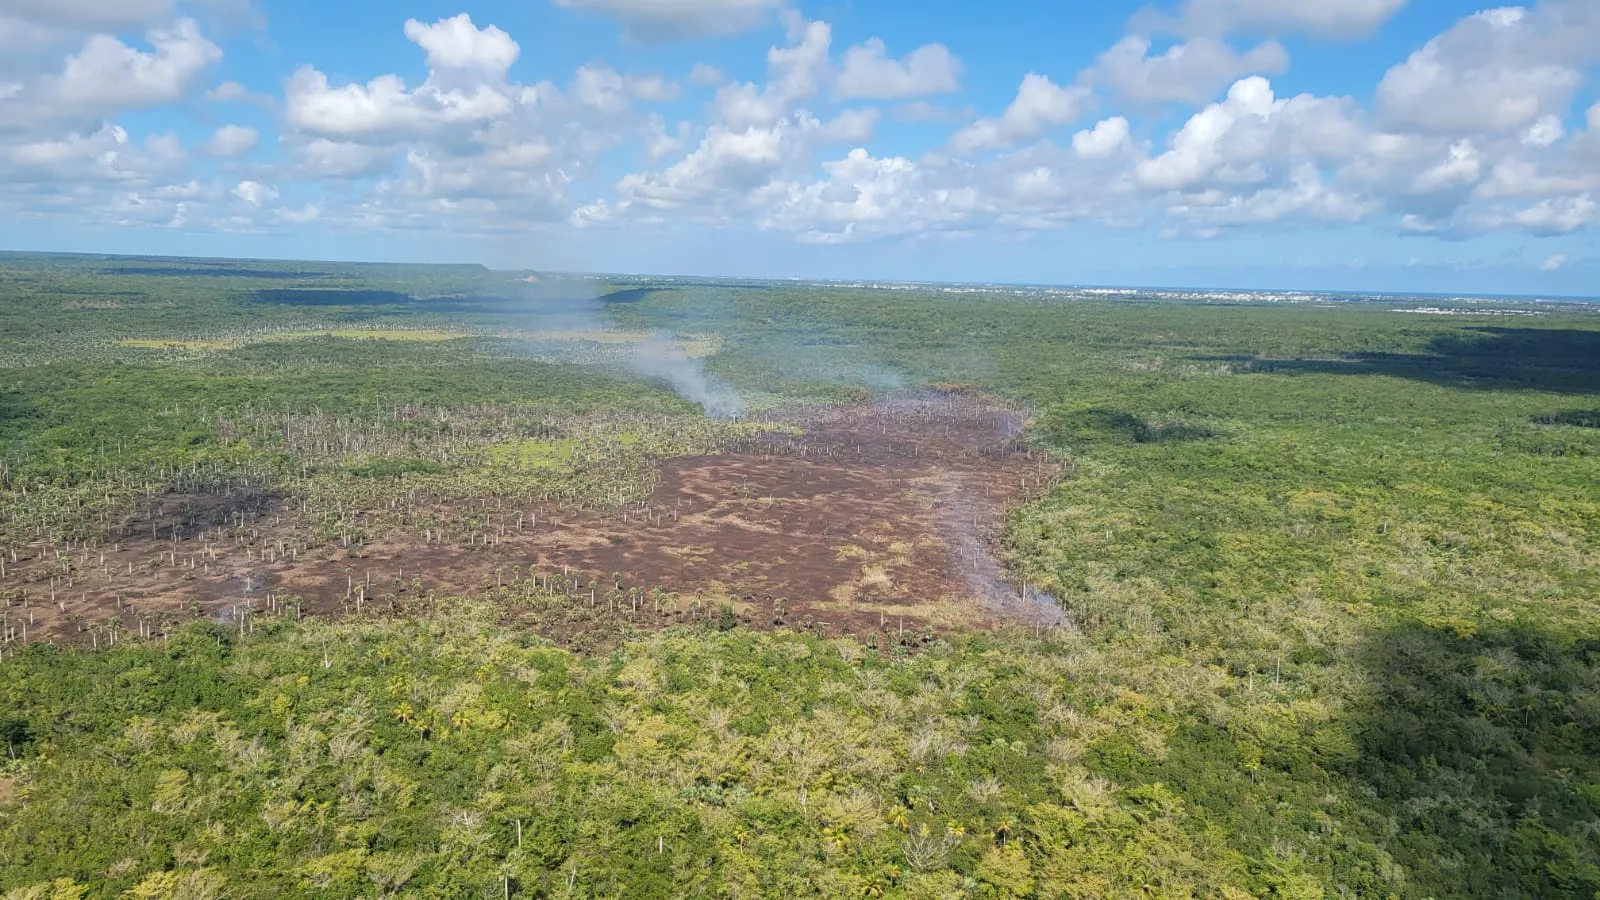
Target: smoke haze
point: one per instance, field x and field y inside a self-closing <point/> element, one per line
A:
<point x="661" y="356"/>
<point x="576" y="305"/>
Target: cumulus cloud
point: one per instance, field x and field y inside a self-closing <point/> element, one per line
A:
<point x="1536" y="177"/>
<point x="323" y="158"/>
<point x="706" y="75"/>
<point x="651" y="88"/>
<point x="383" y="108"/>
<point x="923" y="111"/>
<point x="231" y="142"/>
<point x="1461" y="168"/>
<point x="302" y="216"/>
<point x="726" y="161"/>
<point x="655" y="21"/>
<point x="1041" y="104"/>
<point x="1556" y="216"/>
<point x="87" y="14"/>
<point x="852" y="126"/>
<point x="1107" y="137"/>
<point x="456" y="43"/>
<point x="870" y="74"/>
<point x="101" y="175"/>
<point x="465" y="87"/>
<point x="107" y="74"/>
<point x="1322" y="18"/>
<point x="1544" y="132"/>
<point x="1189" y="73"/>
<point x="1495" y="71"/>
<point x="862" y="198"/>
<point x="228" y="92"/>
<point x="1196" y="152"/>
<point x="255" y="193"/>
<point x="1251" y="133"/>
<point x="19" y="36"/>
<point x="659" y="143"/>
<point x="1474" y="132"/>
<point x="760" y="137"/>
<point x="797" y="71"/>
<point x="600" y="87"/>
<point x="105" y="146"/>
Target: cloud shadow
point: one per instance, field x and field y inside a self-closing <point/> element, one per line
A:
<point x="1486" y="358"/>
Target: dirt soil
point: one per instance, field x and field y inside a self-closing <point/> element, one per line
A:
<point x="873" y="518"/>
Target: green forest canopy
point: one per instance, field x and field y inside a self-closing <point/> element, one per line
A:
<point x="1332" y="570"/>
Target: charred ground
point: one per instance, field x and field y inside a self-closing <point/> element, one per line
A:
<point x="876" y="518"/>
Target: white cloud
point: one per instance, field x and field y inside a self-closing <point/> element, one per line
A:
<point x="744" y="105"/>
<point x="383" y="109"/>
<point x="228" y="92"/>
<point x="322" y="158"/>
<point x="87" y="14"/>
<point x="923" y="111"/>
<point x="870" y="74"/>
<point x="659" y="144"/>
<point x="1562" y="215"/>
<point x="794" y="73"/>
<point x="1499" y="70"/>
<point x="234" y="92"/>
<point x="18" y="37"/>
<point x="302" y="216"/>
<point x="667" y="20"/>
<point x="1107" y="137"/>
<point x="862" y="198"/>
<point x="798" y="71"/>
<point x="1470" y="135"/>
<point x="1323" y="18"/>
<point x="231" y="142"/>
<point x="758" y="139"/>
<point x="1040" y="105"/>
<point x="1516" y="177"/>
<point x="101" y="176"/>
<point x="103" y="146"/>
<point x="706" y="75"/>
<point x="1303" y="194"/>
<point x="600" y="87"/>
<point x="456" y="43"/>
<point x="255" y="193"/>
<point x="726" y="162"/>
<point x="1190" y="73"/>
<point x="1553" y="263"/>
<point x="1196" y="151"/>
<point x="652" y="88"/>
<point x="1462" y="168"/>
<point x="1544" y="132"/>
<point x="108" y="74"/>
<point x="435" y="180"/>
<point x="1254" y="158"/>
<point x="853" y="126"/>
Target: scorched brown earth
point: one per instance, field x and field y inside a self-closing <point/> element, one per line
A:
<point x="876" y="519"/>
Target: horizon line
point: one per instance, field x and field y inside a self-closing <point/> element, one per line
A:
<point x="857" y="281"/>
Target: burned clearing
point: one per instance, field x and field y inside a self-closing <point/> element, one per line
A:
<point x="878" y="520"/>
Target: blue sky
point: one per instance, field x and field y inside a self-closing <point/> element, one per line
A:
<point x="1413" y="145"/>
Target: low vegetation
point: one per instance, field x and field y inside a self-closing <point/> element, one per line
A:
<point x="1330" y="578"/>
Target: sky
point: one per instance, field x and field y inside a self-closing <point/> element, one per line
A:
<point x="1403" y="145"/>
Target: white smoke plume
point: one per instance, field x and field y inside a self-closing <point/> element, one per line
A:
<point x="664" y="358"/>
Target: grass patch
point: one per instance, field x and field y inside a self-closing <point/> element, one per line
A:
<point x="534" y="454"/>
